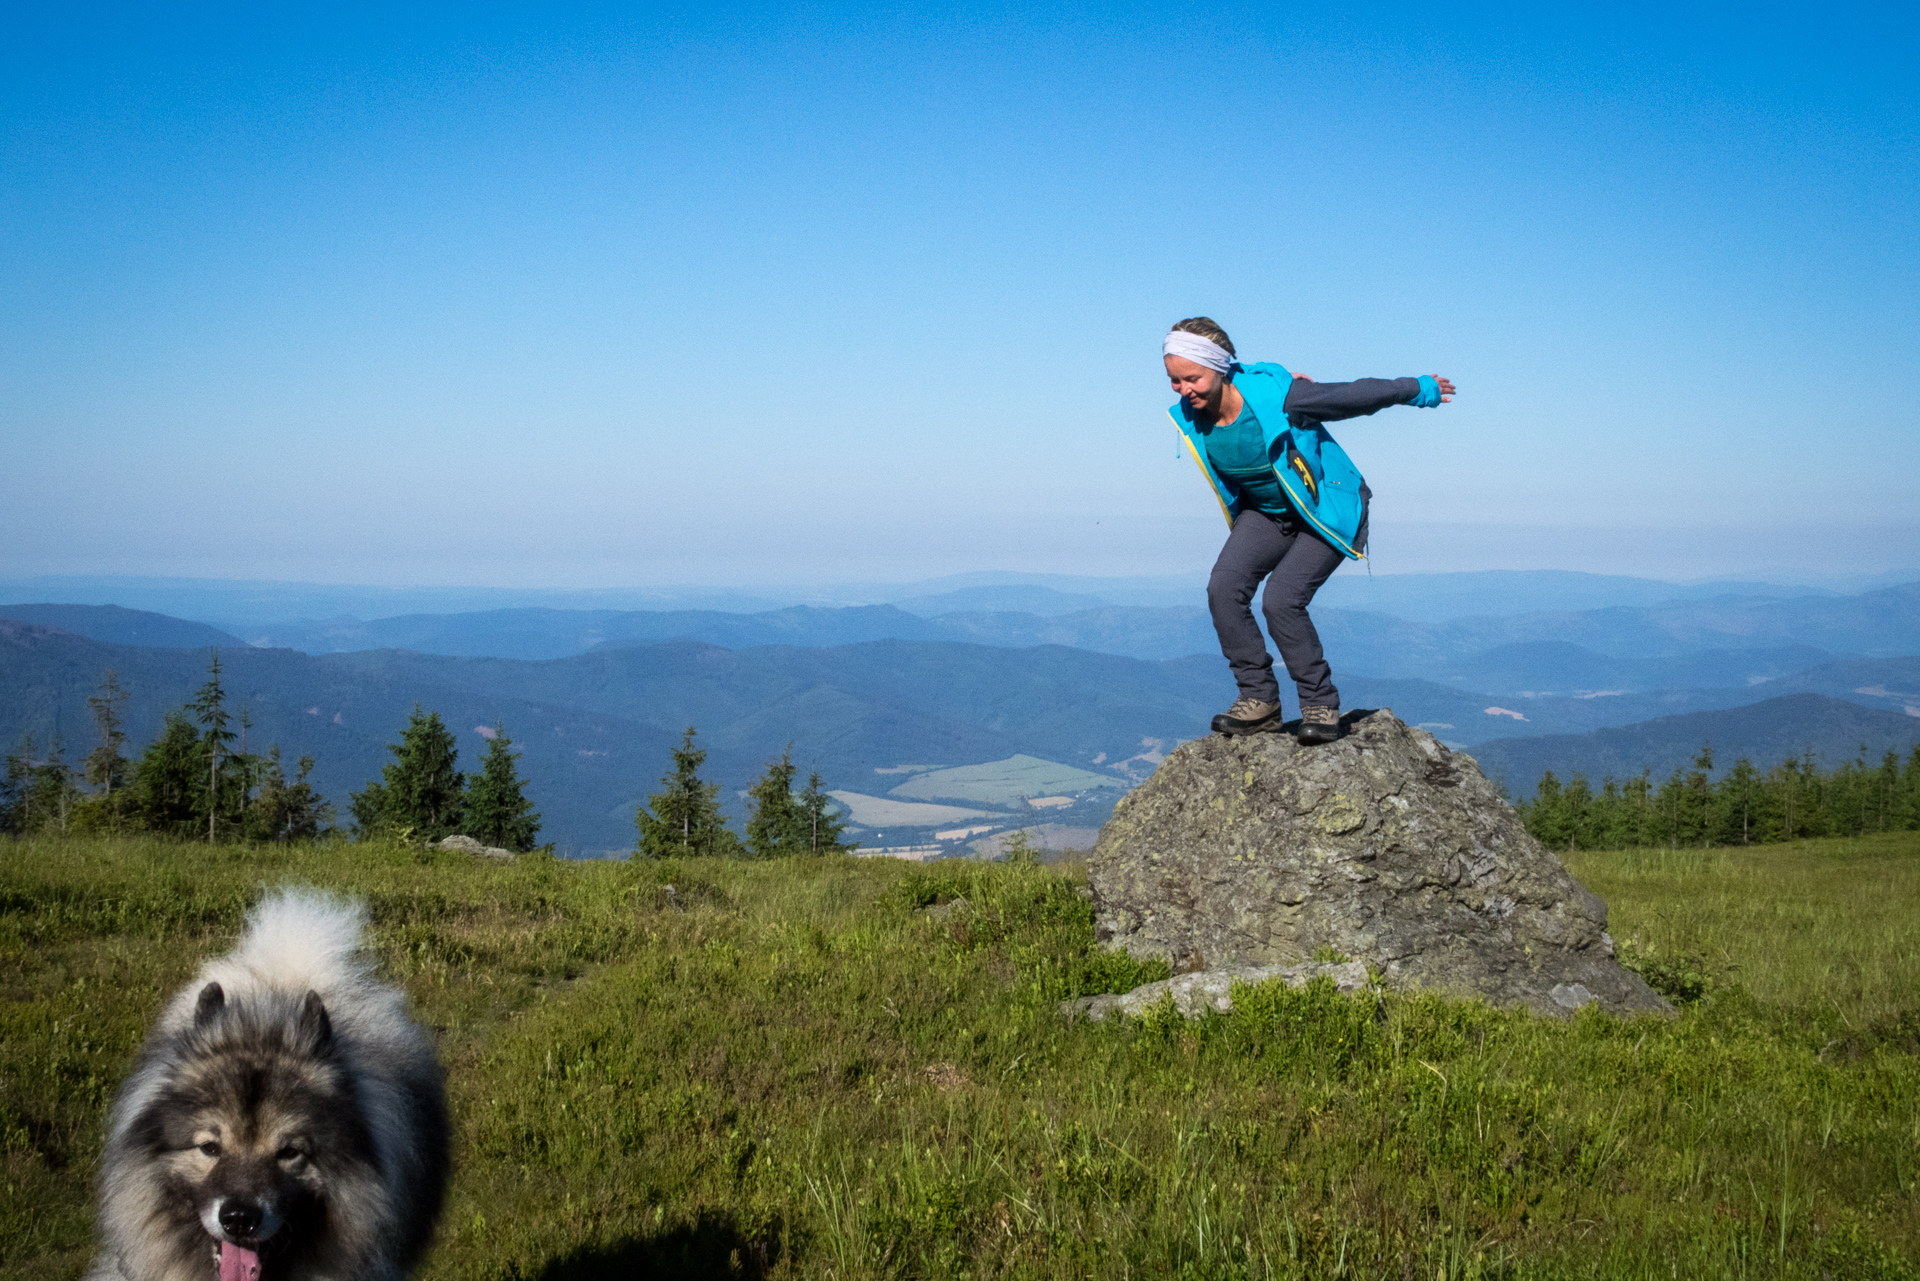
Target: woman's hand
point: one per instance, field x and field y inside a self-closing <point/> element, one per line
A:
<point x="1446" y="388"/>
<point x="1301" y="378"/>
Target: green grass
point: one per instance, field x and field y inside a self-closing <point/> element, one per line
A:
<point x="792" y="1069"/>
<point x="1831" y="924"/>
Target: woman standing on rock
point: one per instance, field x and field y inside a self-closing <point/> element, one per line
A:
<point x="1295" y="507"/>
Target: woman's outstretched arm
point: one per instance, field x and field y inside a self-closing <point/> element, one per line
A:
<point x="1330" y="402"/>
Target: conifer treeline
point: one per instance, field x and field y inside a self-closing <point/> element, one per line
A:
<point x="198" y="781"/>
<point x="1691" y="809"/>
<point x="421" y="794"/>
<point x="683" y="819"/>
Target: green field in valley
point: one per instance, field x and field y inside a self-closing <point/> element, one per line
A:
<point x="1005" y="782"/>
<point x="795" y="1068"/>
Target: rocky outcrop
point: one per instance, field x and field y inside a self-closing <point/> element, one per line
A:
<point x="1384" y="847"/>
<point x="468" y="845"/>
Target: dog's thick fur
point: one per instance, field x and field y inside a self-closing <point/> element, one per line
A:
<point x="286" y="1105"/>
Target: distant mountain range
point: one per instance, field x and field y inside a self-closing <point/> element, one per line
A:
<point x="1439" y="598"/>
<point x="1712" y="642"/>
<point x="561" y="633"/>
<point x="1533" y="687"/>
<point x="236" y="605"/>
<point x="122" y="626"/>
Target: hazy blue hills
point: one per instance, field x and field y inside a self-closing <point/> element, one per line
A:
<point x="121" y="626"/>
<point x="1437" y="598"/>
<point x="557" y="633"/>
<point x="1891" y="683"/>
<point x="1879" y="623"/>
<point x="237" y="604"/>
<point x="1532" y="668"/>
<point x="1527" y="687"/>
<point x="1132" y="631"/>
<point x="1428" y="598"/>
<point x="854" y="707"/>
<point x="1714" y="641"/>
<point x="1020" y="598"/>
<point x="1765" y="733"/>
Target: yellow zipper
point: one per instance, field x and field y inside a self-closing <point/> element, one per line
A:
<point x="1218" y="497"/>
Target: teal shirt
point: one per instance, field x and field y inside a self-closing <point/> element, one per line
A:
<point x="1238" y="451"/>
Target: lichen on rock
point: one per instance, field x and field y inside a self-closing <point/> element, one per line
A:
<point x="1194" y="994"/>
<point x="1384" y="846"/>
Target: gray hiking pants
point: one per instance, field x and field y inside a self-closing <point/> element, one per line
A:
<point x="1298" y="562"/>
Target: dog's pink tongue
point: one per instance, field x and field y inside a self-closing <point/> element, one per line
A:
<point x="237" y="1263"/>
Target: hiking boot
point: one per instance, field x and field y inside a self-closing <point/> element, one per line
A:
<point x="1319" y="724"/>
<point x="1248" y="716"/>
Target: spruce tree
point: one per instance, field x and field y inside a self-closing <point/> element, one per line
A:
<point x="106" y="766"/>
<point x="369" y="809"/>
<point x="248" y="767"/>
<point x="683" y="820"/>
<point x="420" y="795"/>
<point x="774" y="824"/>
<point x="106" y="769"/>
<point x="223" y="789"/>
<point x="168" y="781"/>
<point x="286" y="811"/>
<point x="1738" y="789"/>
<point x="51" y="791"/>
<point x="819" y="824"/>
<point x="498" y="813"/>
<point x="16" y="789"/>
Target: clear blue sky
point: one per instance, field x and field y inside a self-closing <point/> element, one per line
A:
<point x="578" y="297"/>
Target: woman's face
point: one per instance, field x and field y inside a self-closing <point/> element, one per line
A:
<point x="1198" y="387"/>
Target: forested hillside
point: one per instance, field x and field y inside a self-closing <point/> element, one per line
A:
<point x="1829" y="729"/>
<point x="1750" y="801"/>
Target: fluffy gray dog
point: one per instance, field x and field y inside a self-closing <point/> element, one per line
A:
<point x="286" y="1122"/>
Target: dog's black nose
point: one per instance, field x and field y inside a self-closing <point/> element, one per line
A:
<point x="239" y="1218"/>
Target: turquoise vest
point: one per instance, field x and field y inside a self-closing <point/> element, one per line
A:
<point x="1319" y="479"/>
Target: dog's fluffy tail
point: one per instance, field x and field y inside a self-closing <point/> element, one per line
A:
<point x="304" y="938"/>
<point x="296" y="940"/>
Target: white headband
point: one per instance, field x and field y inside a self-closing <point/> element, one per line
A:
<point x="1201" y="351"/>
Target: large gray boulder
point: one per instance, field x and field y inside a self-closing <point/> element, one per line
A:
<point x="1384" y="847"/>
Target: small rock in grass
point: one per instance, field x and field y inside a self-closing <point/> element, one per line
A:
<point x="945" y="1077"/>
<point x="468" y="845"/>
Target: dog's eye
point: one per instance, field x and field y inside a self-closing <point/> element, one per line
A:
<point x="288" y="1153"/>
<point x="210" y="1148"/>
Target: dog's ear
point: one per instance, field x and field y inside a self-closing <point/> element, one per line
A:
<point x="207" y="1008"/>
<point x="314" y="1021"/>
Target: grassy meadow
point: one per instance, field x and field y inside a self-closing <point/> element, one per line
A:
<point x="854" y="1068"/>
